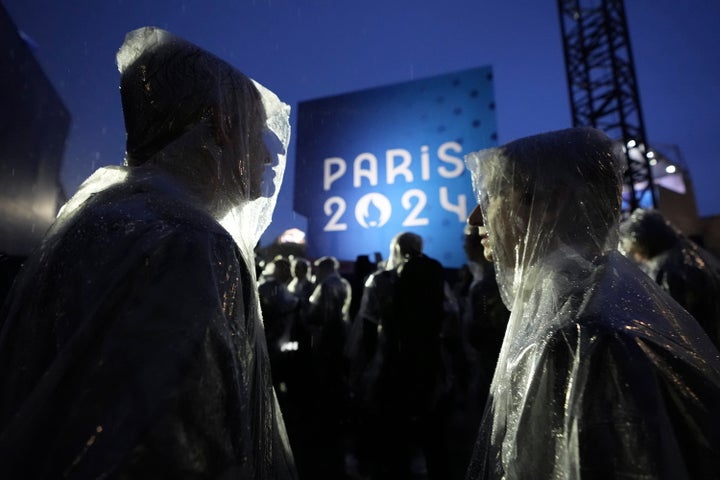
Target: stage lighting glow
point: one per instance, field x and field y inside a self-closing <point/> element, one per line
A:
<point x="670" y="169"/>
<point x="631" y="143"/>
<point x="292" y="235"/>
<point x="289" y="347"/>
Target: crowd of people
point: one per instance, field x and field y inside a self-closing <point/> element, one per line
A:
<point x="139" y="341"/>
<point x="395" y="388"/>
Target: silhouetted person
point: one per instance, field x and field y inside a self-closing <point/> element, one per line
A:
<point x="484" y="315"/>
<point x="601" y="373"/>
<point x="298" y="357"/>
<point x="407" y="379"/>
<point x="323" y="453"/>
<point x="132" y="345"/>
<point x="280" y="309"/>
<point x="362" y="269"/>
<point x="301" y="284"/>
<point x="687" y="272"/>
<point x="328" y="314"/>
<point x="484" y="319"/>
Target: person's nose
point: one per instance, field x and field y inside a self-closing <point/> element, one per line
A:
<point x="273" y="147"/>
<point x="269" y="159"/>
<point x="475" y="219"/>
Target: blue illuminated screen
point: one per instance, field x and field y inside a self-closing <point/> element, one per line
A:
<point x="373" y="163"/>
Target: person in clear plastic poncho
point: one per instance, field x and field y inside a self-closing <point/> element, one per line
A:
<point x="601" y="374"/>
<point x="689" y="273"/>
<point x="132" y="345"/>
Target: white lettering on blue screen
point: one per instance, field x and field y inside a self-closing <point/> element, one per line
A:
<point x="373" y="210"/>
<point x="397" y="163"/>
<point x="329" y="176"/>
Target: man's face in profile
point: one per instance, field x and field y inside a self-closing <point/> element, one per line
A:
<point x="499" y="221"/>
<point x="260" y="160"/>
<point x="251" y="152"/>
<point x="477" y="221"/>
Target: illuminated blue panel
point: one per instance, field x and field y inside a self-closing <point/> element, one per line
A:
<point x="373" y="163"/>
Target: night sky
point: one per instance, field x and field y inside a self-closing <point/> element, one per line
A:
<point x="306" y="49"/>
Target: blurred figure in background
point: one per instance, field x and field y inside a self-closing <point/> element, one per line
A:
<point x="280" y="310"/>
<point x="484" y="319"/>
<point x="132" y="345"/>
<point x="405" y="377"/>
<point x="484" y="315"/>
<point x="362" y="268"/>
<point x="687" y="272"/>
<point x="328" y="314"/>
<point x="301" y="284"/>
<point x="327" y="322"/>
<point x="601" y="373"/>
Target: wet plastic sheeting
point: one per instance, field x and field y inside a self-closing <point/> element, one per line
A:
<point x="601" y="374"/>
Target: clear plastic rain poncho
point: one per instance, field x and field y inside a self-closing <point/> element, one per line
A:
<point x="601" y="374"/>
<point x="132" y="345"/>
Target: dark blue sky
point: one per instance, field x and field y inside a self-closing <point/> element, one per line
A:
<point x="305" y="49"/>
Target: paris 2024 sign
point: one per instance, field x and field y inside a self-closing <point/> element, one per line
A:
<point x="377" y="162"/>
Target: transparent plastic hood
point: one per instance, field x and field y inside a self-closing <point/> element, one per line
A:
<point x="248" y="221"/>
<point x="237" y="178"/>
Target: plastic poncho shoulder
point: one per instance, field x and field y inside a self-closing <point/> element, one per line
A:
<point x="133" y="346"/>
<point x="610" y="386"/>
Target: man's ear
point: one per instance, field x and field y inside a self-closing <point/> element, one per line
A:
<point x="557" y="200"/>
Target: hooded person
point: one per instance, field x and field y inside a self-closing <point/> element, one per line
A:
<point x="132" y="345"/>
<point x="601" y="374"/>
<point x="690" y="274"/>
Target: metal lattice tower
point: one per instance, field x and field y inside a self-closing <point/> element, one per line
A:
<point x="603" y="89"/>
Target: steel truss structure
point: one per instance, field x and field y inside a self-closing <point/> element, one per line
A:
<point x="602" y="85"/>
